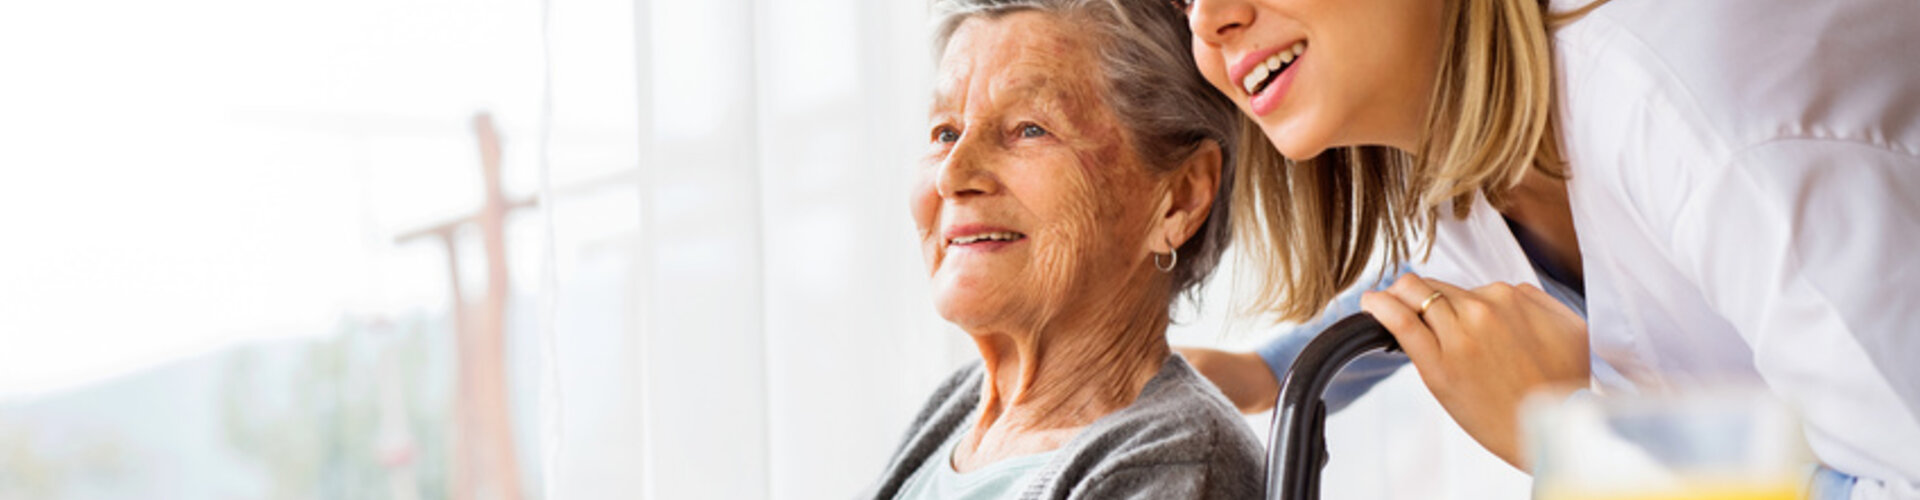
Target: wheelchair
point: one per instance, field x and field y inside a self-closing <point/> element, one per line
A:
<point x="1298" y="450"/>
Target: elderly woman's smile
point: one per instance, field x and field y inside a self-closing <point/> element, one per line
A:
<point x="981" y="237"/>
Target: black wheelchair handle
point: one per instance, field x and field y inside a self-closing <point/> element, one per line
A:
<point x="1299" y="437"/>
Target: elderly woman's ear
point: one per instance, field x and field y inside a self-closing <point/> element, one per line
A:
<point x="1189" y="196"/>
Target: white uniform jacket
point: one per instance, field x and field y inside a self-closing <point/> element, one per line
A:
<point x="1746" y="188"/>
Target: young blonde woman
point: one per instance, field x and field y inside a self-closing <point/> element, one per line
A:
<point x="1730" y="188"/>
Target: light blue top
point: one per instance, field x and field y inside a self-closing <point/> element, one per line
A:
<point x="936" y="479"/>
<point x="1361" y="375"/>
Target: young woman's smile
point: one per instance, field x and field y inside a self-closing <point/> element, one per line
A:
<point x="1319" y="74"/>
<point x="1266" y="76"/>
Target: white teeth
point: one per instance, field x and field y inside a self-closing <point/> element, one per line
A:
<point x="1254" y="78"/>
<point x="1274" y="64"/>
<point x="1000" y="236"/>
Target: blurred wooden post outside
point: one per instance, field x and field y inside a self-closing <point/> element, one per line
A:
<point x="484" y="464"/>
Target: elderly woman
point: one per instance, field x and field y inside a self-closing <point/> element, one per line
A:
<point x="1074" y="188"/>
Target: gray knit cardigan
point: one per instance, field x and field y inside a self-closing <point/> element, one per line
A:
<point x="1179" y="439"/>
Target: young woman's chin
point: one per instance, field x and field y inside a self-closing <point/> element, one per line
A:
<point x="1296" y="137"/>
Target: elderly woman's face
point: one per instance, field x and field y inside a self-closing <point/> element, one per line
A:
<point x="1031" y="198"/>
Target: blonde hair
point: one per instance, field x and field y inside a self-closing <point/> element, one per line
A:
<point x="1311" y="227"/>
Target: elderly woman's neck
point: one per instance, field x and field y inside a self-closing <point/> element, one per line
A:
<point x="1044" y="385"/>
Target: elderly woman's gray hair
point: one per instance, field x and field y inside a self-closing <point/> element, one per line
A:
<point x="1151" y="85"/>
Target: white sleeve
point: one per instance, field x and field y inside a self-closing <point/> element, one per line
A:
<point x="1811" y="248"/>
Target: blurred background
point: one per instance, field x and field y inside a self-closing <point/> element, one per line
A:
<point x="496" y="249"/>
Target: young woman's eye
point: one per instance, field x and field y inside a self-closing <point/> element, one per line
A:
<point x="946" y="135"/>
<point x="1030" y="131"/>
<point x="1184" y="6"/>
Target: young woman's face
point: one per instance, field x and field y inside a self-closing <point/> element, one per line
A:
<point x="1317" y="74"/>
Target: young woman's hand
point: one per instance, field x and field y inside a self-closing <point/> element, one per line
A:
<point x="1483" y="351"/>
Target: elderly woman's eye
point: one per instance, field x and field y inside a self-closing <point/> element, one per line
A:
<point x="946" y="135"/>
<point x="1030" y="131"/>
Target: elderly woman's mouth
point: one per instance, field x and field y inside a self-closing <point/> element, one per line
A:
<point x="985" y="240"/>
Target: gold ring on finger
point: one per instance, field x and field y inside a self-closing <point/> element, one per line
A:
<point x="1424" y="303"/>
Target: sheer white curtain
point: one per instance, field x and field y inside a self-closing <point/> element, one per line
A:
<point x="778" y="336"/>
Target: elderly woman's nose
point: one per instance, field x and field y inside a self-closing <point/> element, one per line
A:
<point x="965" y="173"/>
<point x="1217" y="21"/>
